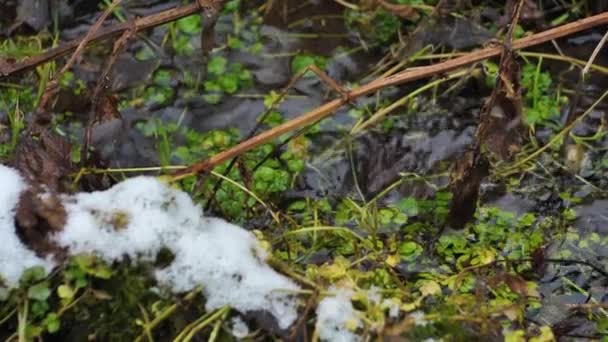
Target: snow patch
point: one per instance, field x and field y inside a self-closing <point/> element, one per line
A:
<point x="393" y="306"/>
<point x="136" y="217"/>
<point x="140" y="216"/>
<point x="229" y="263"/>
<point x="419" y="318"/>
<point x="14" y="256"/>
<point x="336" y="317"/>
<point x="239" y="328"/>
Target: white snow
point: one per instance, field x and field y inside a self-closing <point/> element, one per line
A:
<point x="239" y="328"/>
<point x="419" y="318"/>
<point x="392" y="305"/>
<point x="136" y="217"/>
<point x="140" y="216"/>
<point x="336" y="317"/>
<point x="14" y="256"/>
<point x="229" y="263"/>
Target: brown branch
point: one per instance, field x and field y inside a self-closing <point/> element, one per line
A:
<point x="8" y="68"/>
<point x="405" y="76"/>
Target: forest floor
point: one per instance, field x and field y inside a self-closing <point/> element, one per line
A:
<point x="372" y="213"/>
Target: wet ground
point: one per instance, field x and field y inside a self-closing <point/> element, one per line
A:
<point x="424" y="141"/>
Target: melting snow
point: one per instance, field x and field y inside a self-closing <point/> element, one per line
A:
<point x="336" y="317"/>
<point x="137" y="218"/>
<point x="239" y="328"/>
<point x="14" y="256"/>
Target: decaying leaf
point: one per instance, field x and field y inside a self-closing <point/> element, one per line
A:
<point x="43" y="159"/>
<point x="38" y="215"/>
<point x="465" y="179"/>
<point x="107" y="108"/>
<point x="500" y="124"/>
<point x="516" y="283"/>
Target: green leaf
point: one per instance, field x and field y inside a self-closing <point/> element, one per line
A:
<point x="52" y="322"/>
<point x="295" y="165"/>
<point x="273" y="99"/>
<point x="546" y="335"/>
<point x="190" y="24"/>
<point x="265" y="173"/>
<point x="183" y="46"/>
<point x="39" y="291"/>
<point x="159" y="95"/>
<point x="101" y="271"/>
<point x="66" y="79"/>
<point x="65" y="292"/>
<point x="410" y="250"/>
<point x="217" y="65"/>
<point x="163" y="77"/>
<point x="212" y="86"/>
<point x="235" y="43"/>
<point x="232" y="6"/>
<point x="229" y="84"/>
<point x="33" y="274"/>
<point x="273" y="118"/>
<point x="408" y="206"/>
<point x="300" y="62"/>
<point x="212" y="98"/>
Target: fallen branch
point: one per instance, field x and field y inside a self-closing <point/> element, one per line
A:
<point x="405" y="76"/>
<point x="8" y="68"/>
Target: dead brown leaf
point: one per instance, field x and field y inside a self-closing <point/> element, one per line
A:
<point x="107" y="108"/>
<point x="500" y="125"/>
<point x="515" y="282"/>
<point x="43" y="159"/>
<point x="5" y="65"/>
<point x="39" y="214"/>
<point x="465" y="179"/>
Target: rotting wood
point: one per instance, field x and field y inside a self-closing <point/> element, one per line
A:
<point x="405" y="76"/>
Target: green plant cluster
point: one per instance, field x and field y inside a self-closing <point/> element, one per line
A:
<point x="301" y="61"/>
<point x="246" y="34"/>
<point x="264" y="177"/>
<point x="223" y="78"/>
<point x="541" y="103"/>
<point x="41" y="302"/>
<point x="378" y="24"/>
<point x="161" y="91"/>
